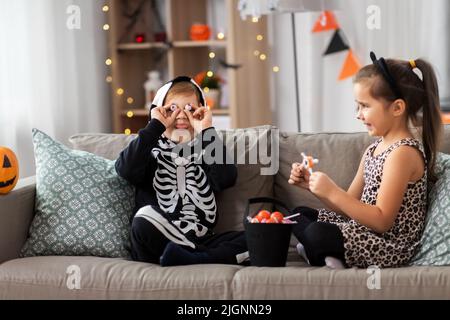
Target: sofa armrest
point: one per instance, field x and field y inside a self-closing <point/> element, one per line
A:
<point x="16" y="214"/>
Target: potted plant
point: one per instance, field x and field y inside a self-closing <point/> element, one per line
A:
<point x="210" y="84"/>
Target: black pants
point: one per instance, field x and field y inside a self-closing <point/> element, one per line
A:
<point x="320" y="239"/>
<point x="148" y="244"/>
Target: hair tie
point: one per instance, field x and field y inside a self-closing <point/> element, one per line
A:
<point x="416" y="70"/>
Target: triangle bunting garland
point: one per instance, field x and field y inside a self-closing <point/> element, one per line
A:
<point x="327" y="21"/>
<point x="337" y="44"/>
<point x="351" y="66"/>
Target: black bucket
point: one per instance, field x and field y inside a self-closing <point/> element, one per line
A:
<point x="267" y="243"/>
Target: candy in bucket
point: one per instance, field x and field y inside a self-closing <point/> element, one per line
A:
<point x="268" y="234"/>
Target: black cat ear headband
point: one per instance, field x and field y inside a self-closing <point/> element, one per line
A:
<point x="383" y="68"/>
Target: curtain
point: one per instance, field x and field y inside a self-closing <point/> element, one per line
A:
<point x="52" y="77"/>
<point x="409" y="29"/>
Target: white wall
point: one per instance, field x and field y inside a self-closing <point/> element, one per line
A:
<point x="52" y="77"/>
<point x="409" y="29"/>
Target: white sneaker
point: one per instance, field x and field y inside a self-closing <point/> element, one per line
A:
<point x="334" y="263"/>
<point x="301" y="251"/>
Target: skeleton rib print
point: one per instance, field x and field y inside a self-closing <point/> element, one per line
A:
<point x="183" y="191"/>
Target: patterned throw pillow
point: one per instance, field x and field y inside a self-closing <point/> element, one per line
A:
<point x="435" y="247"/>
<point x="82" y="206"/>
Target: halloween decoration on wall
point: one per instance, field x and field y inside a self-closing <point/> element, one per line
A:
<point x="327" y="21"/>
<point x="337" y="43"/>
<point x="351" y="66"/>
<point x="9" y="170"/>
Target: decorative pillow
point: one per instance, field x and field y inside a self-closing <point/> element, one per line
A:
<point x="435" y="246"/>
<point x="82" y="206"/>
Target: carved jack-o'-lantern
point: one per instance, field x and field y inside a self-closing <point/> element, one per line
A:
<point x="9" y="170"/>
<point x="200" y="32"/>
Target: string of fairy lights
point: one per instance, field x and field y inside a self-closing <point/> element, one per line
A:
<point x="211" y="55"/>
<point x="109" y="78"/>
<point x="261" y="55"/>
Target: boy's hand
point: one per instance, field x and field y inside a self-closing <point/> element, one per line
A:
<point x="164" y="115"/>
<point x="321" y="185"/>
<point x="201" y="119"/>
<point x="299" y="176"/>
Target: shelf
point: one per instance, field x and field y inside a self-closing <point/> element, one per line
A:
<point x="142" y="46"/>
<point x="206" y="43"/>
<point x="175" y="44"/>
<point x="144" y="112"/>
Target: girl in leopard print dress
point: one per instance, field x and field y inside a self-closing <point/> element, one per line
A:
<point x="379" y="220"/>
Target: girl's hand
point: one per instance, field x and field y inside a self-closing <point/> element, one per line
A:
<point x="201" y="119"/>
<point x="164" y="115"/>
<point x="321" y="185"/>
<point x="299" y="176"/>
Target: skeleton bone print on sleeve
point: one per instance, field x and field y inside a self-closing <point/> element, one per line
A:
<point x="179" y="179"/>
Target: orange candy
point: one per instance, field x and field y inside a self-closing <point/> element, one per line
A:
<point x="277" y="216"/>
<point x="271" y="220"/>
<point x="263" y="214"/>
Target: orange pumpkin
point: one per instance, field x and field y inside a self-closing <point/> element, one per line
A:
<point x="9" y="170"/>
<point x="200" y="32"/>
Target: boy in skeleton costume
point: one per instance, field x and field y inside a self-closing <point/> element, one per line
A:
<point x="175" y="203"/>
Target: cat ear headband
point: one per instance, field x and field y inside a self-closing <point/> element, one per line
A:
<point x="384" y="70"/>
<point x="162" y="92"/>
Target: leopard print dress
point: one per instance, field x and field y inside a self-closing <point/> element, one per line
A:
<point x="364" y="247"/>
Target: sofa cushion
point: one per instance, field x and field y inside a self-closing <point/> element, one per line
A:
<point x="251" y="149"/>
<point x="82" y="206"/>
<point x="60" y="277"/>
<point x="107" y="145"/>
<point x="323" y="283"/>
<point x="339" y="156"/>
<point x="435" y="242"/>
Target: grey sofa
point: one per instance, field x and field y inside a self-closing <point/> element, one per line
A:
<point x="46" y="277"/>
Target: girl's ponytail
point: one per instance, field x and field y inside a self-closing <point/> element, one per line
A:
<point x="431" y="116"/>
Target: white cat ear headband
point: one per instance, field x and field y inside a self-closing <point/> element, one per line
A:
<point x="162" y="92"/>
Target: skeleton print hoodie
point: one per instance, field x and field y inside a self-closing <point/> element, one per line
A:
<point x="176" y="181"/>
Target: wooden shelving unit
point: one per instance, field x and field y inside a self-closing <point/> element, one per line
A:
<point x="247" y="88"/>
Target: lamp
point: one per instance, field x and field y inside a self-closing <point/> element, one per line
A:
<point x="256" y="8"/>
